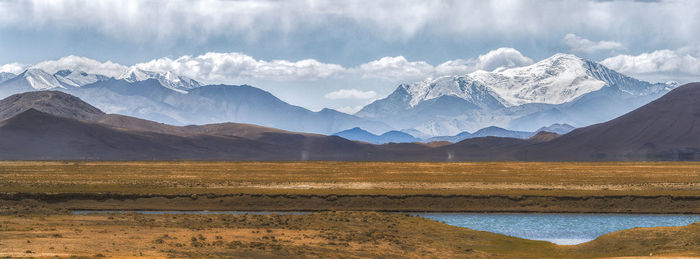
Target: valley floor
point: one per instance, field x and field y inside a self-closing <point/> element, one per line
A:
<point x="35" y="198"/>
<point x="629" y="187"/>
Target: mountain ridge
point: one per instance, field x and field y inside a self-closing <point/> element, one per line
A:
<point x="560" y="89"/>
<point x="150" y="99"/>
<point x="553" y="90"/>
<point x="665" y="129"/>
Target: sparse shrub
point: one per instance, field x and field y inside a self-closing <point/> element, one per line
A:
<point x="235" y="244"/>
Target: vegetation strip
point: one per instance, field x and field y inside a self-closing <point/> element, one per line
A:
<point x="412" y="203"/>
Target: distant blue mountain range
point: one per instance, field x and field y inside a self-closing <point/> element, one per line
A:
<point x="394" y="136"/>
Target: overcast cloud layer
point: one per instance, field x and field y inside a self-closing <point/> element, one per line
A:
<point x="168" y="20"/>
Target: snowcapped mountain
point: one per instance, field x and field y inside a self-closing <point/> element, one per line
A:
<point x="35" y="79"/>
<point x="178" y="100"/>
<point x="555" y="80"/>
<point x="459" y="86"/>
<point x="40" y="79"/>
<point x="4" y="76"/>
<point x="77" y="78"/>
<point x="29" y="80"/>
<point x="560" y="89"/>
<point x="554" y="90"/>
<point x="168" y="79"/>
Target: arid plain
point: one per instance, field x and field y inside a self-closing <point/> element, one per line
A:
<point x="353" y="205"/>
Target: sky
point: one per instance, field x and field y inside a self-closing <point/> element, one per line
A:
<point x="346" y="54"/>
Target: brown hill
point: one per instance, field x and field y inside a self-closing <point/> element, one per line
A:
<point x="52" y="102"/>
<point x="35" y="135"/>
<point x="65" y="105"/>
<point x="665" y="129"/>
<point x="543" y="136"/>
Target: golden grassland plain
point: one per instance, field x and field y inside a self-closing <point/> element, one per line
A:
<point x="35" y="198"/>
<point x="487" y="178"/>
<point x="316" y="235"/>
<point x="631" y="187"/>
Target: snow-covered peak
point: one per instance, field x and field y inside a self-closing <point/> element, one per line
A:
<point x="555" y="80"/>
<point x="40" y="79"/>
<point x="670" y="85"/>
<point x="558" y="79"/>
<point x="459" y="86"/>
<point x="63" y="72"/>
<point x="168" y="79"/>
<point x="560" y="59"/>
<point x="78" y="78"/>
<point x="4" y="76"/>
<point x="134" y="74"/>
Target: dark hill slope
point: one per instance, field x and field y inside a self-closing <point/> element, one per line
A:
<point x="65" y="105"/>
<point x="35" y="135"/>
<point x="52" y="102"/>
<point x="665" y="129"/>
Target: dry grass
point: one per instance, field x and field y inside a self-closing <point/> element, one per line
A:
<point x="318" y="235"/>
<point x="612" y="178"/>
<point x="33" y="228"/>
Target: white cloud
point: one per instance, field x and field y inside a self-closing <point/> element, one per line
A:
<point x="234" y="67"/>
<point x="15" y="68"/>
<point x="680" y="65"/>
<point x="395" y="68"/>
<point x="398" y="69"/>
<point x="84" y="64"/>
<point x="223" y="67"/>
<point x="351" y="94"/>
<point x="456" y="67"/>
<point x="580" y="44"/>
<point x="227" y="67"/>
<point x="501" y="57"/>
<point x="350" y="109"/>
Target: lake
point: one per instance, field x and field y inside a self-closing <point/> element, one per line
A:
<point x="562" y="229"/>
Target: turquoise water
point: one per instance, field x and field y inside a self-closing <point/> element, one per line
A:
<point x="562" y="229"/>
